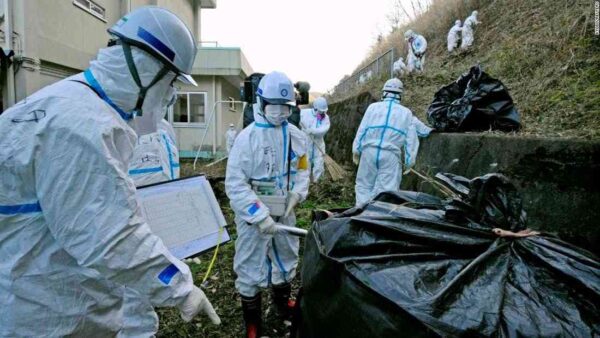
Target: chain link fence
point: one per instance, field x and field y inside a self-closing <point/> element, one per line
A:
<point x="381" y="65"/>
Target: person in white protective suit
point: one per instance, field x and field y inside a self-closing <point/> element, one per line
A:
<point x="230" y="137"/>
<point x="155" y="157"/>
<point x="468" y="31"/>
<point x="387" y="130"/>
<point x="399" y="67"/>
<point x="268" y="160"/>
<point x="78" y="259"/>
<point x="417" y="46"/>
<point x="454" y="35"/>
<point x="315" y="123"/>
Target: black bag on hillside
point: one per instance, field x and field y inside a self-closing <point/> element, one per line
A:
<point x="413" y="265"/>
<point x="474" y="102"/>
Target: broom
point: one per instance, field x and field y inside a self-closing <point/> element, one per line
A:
<point x="335" y="170"/>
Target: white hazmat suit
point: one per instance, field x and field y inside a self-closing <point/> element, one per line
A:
<point x="260" y="153"/>
<point x="454" y="35"/>
<point x="417" y="46"/>
<point x="387" y="130"/>
<point x="155" y="157"/>
<point x="78" y="259"/>
<point x="468" y="30"/>
<point x="230" y="138"/>
<point x="399" y="67"/>
<point x="316" y="126"/>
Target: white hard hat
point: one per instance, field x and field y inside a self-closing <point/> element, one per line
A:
<point x="163" y="35"/>
<point x="408" y="34"/>
<point x="457" y="22"/>
<point x="231" y="125"/>
<point x="393" y="86"/>
<point x="276" y="88"/>
<point x="474" y="13"/>
<point x="320" y="104"/>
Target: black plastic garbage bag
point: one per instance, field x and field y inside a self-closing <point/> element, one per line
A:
<point x="474" y="102"/>
<point x="412" y="265"/>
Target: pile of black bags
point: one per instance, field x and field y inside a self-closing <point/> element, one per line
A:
<point x="474" y="102"/>
<point x="410" y="264"/>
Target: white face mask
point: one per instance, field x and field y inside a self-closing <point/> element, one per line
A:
<point x="154" y="108"/>
<point x="277" y="113"/>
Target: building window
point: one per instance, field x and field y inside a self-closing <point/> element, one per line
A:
<point x="231" y="104"/>
<point x="91" y="7"/>
<point x="190" y="108"/>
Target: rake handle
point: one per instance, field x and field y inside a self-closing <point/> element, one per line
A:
<point x="292" y="230"/>
<point x="313" y="140"/>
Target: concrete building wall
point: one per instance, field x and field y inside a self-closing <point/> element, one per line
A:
<point x="56" y="39"/>
<point x="62" y="33"/>
<point x="183" y="8"/>
<point x="138" y="3"/>
<point x="227" y="115"/>
<point x="189" y="135"/>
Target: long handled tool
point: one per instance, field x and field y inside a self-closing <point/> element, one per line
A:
<point x="226" y="157"/>
<point x="437" y="185"/>
<point x="334" y="169"/>
<point x="293" y="230"/>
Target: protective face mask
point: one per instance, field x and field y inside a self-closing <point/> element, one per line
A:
<point x="277" y="113"/>
<point x="171" y="97"/>
<point x="394" y="96"/>
<point x="111" y="70"/>
<point x="155" y="106"/>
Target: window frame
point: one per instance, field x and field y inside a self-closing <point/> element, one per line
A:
<point x="189" y="124"/>
<point x="89" y="9"/>
<point x="232" y="104"/>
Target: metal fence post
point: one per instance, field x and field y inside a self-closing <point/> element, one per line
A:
<point x="392" y="65"/>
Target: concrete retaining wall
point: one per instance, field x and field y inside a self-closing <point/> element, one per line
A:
<point x="558" y="178"/>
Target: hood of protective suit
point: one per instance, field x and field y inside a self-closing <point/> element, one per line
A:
<point x="111" y="71"/>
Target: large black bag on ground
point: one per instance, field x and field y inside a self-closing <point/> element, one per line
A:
<point x="474" y="102"/>
<point x="412" y="265"/>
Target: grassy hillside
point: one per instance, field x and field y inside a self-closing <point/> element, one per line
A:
<point x="545" y="51"/>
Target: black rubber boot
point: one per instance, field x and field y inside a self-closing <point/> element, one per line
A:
<point x="281" y="298"/>
<point x="252" y="309"/>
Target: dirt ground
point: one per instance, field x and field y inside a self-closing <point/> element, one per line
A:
<point x="220" y="285"/>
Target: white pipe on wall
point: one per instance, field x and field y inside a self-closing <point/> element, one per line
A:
<point x="8" y="39"/>
<point x="214" y="147"/>
<point x="210" y="119"/>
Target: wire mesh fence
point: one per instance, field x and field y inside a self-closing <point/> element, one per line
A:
<point x="381" y="65"/>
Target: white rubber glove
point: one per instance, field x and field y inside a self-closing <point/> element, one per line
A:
<point x="293" y="199"/>
<point x="196" y="302"/>
<point x="355" y="158"/>
<point x="267" y="226"/>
